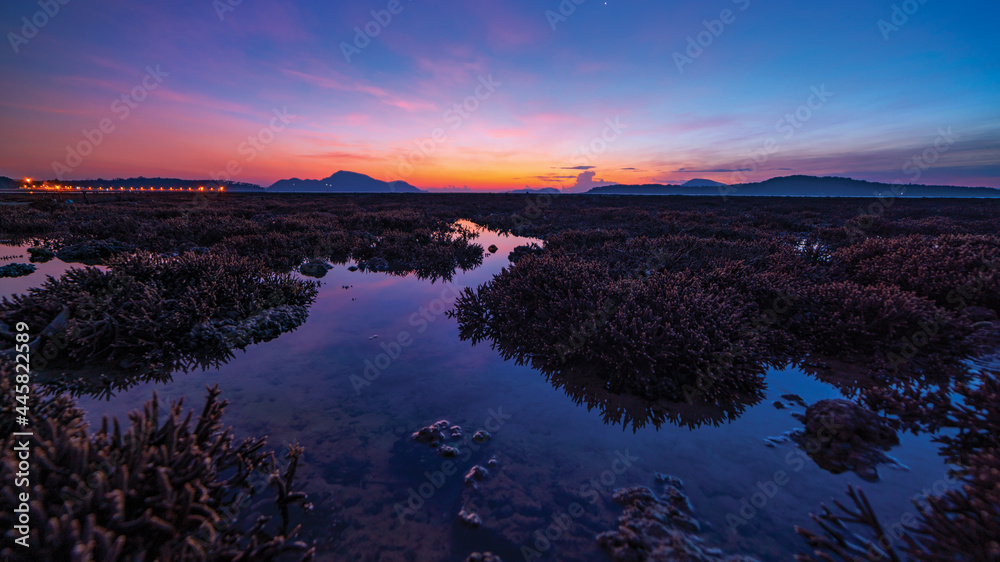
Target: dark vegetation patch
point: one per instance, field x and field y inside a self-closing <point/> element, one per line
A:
<point x="961" y="524"/>
<point x="163" y="488"/>
<point x="16" y="270"/>
<point x="654" y="299"/>
<point x="149" y="315"/>
<point x="283" y="231"/>
<point x="693" y="299"/>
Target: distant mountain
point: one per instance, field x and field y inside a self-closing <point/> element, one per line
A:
<point x="803" y="186"/>
<point x="702" y="183"/>
<point x="7" y="183"/>
<point x="536" y="191"/>
<point x="342" y="182"/>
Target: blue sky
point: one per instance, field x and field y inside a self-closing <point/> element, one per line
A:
<point x="501" y="95"/>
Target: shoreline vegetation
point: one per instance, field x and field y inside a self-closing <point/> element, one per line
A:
<point x="626" y="300"/>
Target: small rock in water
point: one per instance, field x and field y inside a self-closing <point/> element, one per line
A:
<point x="482" y="436"/>
<point x="428" y="435"/>
<point x="483" y="557"/>
<point x="476" y="474"/>
<point x="352" y="268"/>
<point x="840" y="436"/>
<point x="315" y="269"/>
<point x="493" y="463"/>
<point x="658" y="528"/>
<point x="448" y="451"/>
<point x="456" y="432"/>
<point x="669" y="480"/>
<point x="470" y="518"/>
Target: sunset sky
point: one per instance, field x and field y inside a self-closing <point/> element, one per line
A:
<point x="608" y="91"/>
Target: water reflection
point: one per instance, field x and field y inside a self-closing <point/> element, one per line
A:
<point x="359" y="461"/>
<point x="635" y="412"/>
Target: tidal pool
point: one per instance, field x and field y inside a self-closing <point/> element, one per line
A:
<point x="378" y="359"/>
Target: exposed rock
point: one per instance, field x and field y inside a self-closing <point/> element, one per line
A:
<point x="455" y="432"/>
<point x="482" y="436"/>
<point x="483" y="557"/>
<point x="429" y="435"/>
<point x="669" y="480"/>
<point x="840" y="436"/>
<point x="315" y="269"/>
<point x="263" y="326"/>
<point x="658" y="529"/>
<point x="448" y="451"/>
<point x="470" y="518"/>
<point x="476" y="474"/>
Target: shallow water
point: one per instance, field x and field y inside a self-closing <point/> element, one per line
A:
<point x="364" y="474"/>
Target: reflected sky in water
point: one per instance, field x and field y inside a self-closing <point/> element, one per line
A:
<point x="360" y="466"/>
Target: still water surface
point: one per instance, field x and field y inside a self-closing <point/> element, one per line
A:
<point x="364" y="475"/>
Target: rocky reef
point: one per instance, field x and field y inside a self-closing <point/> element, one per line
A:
<point x="658" y="528"/>
<point x="841" y="436"/>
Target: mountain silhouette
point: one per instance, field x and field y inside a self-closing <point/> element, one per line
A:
<point x="342" y="182"/>
<point x="802" y="186"/>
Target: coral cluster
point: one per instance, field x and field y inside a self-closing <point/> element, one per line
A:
<point x="961" y="524"/>
<point x="676" y="310"/>
<point x="654" y="528"/>
<point x="150" y="314"/>
<point x="164" y="488"/>
<point x="16" y="270"/>
<point x="283" y="232"/>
